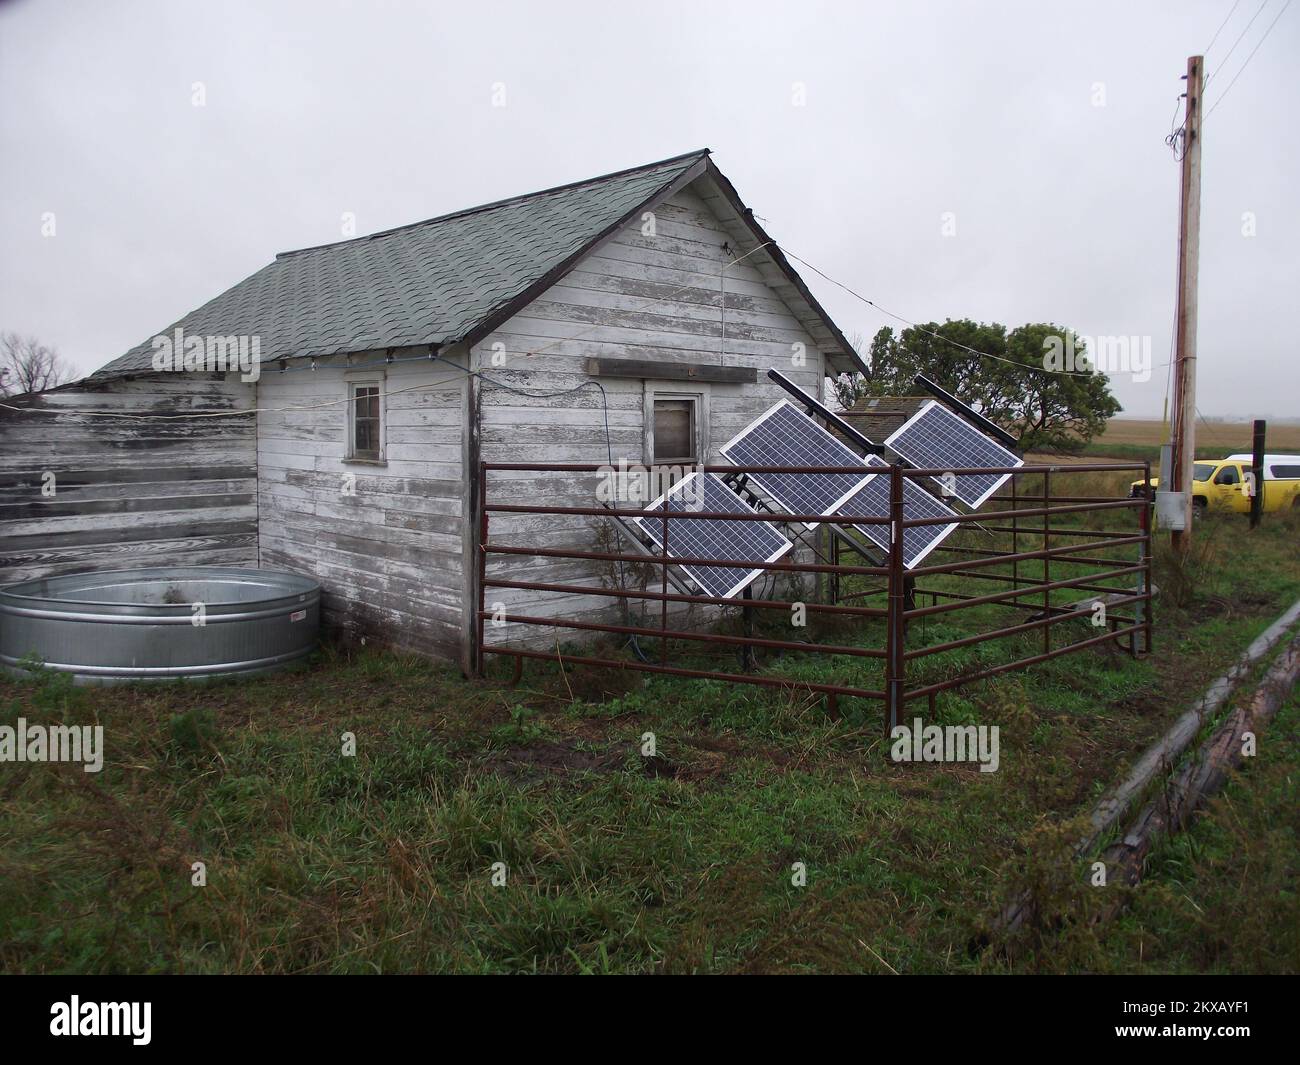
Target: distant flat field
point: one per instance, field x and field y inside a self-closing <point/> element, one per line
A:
<point x="1228" y="437"/>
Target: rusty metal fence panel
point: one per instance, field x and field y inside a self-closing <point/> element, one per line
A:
<point x="1067" y="545"/>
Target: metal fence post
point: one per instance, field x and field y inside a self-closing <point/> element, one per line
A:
<point x="894" y="624"/>
<point x="1147" y="512"/>
<point x="1257" y="472"/>
<point x="482" y="568"/>
<point x="748" y="657"/>
<point x="1015" y="533"/>
<point x="1047" y="561"/>
<point x="834" y="582"/>
<point x="663" y="610"/>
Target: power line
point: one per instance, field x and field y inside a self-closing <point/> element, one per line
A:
<point x="931" y="332"/>
<point x="1220" y="29"/>
<point x="1248" y="59"/>
<point x="1174" y="139"/>
<point x="1174" y="126"/>
<point x="1177" y="135"/>
<point x="1236" y="42"/>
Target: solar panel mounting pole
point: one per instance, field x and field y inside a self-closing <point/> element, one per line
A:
<point x="1183" y="436"/>
<point x="965" y="410"/>
<point x="828" y="416"/>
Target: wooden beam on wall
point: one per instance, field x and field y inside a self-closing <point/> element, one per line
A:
<point x="672" y="371"/>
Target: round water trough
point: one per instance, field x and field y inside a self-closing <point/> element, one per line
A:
<point x="160" y="623"/>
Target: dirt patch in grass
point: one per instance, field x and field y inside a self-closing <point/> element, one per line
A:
<point x="1144" y="704"/>
<point x="543" y="757"/>
<point x="592" y="684"/>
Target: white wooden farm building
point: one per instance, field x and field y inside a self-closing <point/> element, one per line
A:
<point x="392" y="365"/>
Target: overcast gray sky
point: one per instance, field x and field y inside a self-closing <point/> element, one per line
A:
<point x="1039" y="127"/>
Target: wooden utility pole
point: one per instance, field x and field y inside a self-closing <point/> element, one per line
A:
<point x="1189" y="240"/>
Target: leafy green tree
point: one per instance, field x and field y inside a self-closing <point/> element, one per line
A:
<point x="1052" y="411"/>
<point x="1006" y="381"/>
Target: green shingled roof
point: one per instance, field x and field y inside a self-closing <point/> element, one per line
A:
<point x="433" y="282"/>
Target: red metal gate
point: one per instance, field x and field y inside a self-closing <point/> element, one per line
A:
<point x="1055" y="518"/>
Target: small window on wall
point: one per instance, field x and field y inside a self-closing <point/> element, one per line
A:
<point x="675" y="439"/>
<point x="366" y="420"/>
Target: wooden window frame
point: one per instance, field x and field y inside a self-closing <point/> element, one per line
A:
<point x="700" y="398"/>
<point x="379" y="456"/>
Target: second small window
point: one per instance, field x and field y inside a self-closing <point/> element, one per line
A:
<point x="676" y="431"/>
<point x="365" y="418"/>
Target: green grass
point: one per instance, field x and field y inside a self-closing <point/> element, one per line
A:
<point x="616" y="862"/>
<point x="1100" y="450"/>
<point x="1223" y="897"/>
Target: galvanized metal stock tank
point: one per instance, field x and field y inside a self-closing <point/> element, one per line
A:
<point x="160" y="623"/>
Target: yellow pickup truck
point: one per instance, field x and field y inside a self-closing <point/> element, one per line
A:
<point x="1224" y="484"/>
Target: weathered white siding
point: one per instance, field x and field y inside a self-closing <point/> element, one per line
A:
<point x="392" y="542"/>
<point x="385" y="541"/>
<point x="146" y="490"/>
<point x="636" y="297"/>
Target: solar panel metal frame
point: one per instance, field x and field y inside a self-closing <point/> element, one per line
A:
<point x="851" y="457"/>
<point x="910" y="488"/>
<point x="921" y="462"/>
<point x="651" y="527"/>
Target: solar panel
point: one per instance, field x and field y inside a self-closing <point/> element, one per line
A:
<point x="872" y="499"/>
<point x="935" y="438"/>
<point x="747" y="541"/>
<point x="785" y="436"/>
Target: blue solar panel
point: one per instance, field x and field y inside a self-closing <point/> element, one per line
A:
<point x="873" y="499"/>
<point x="935" y="438"/>
<point x="785" y="436"/>
<point x="742" y="541"/>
